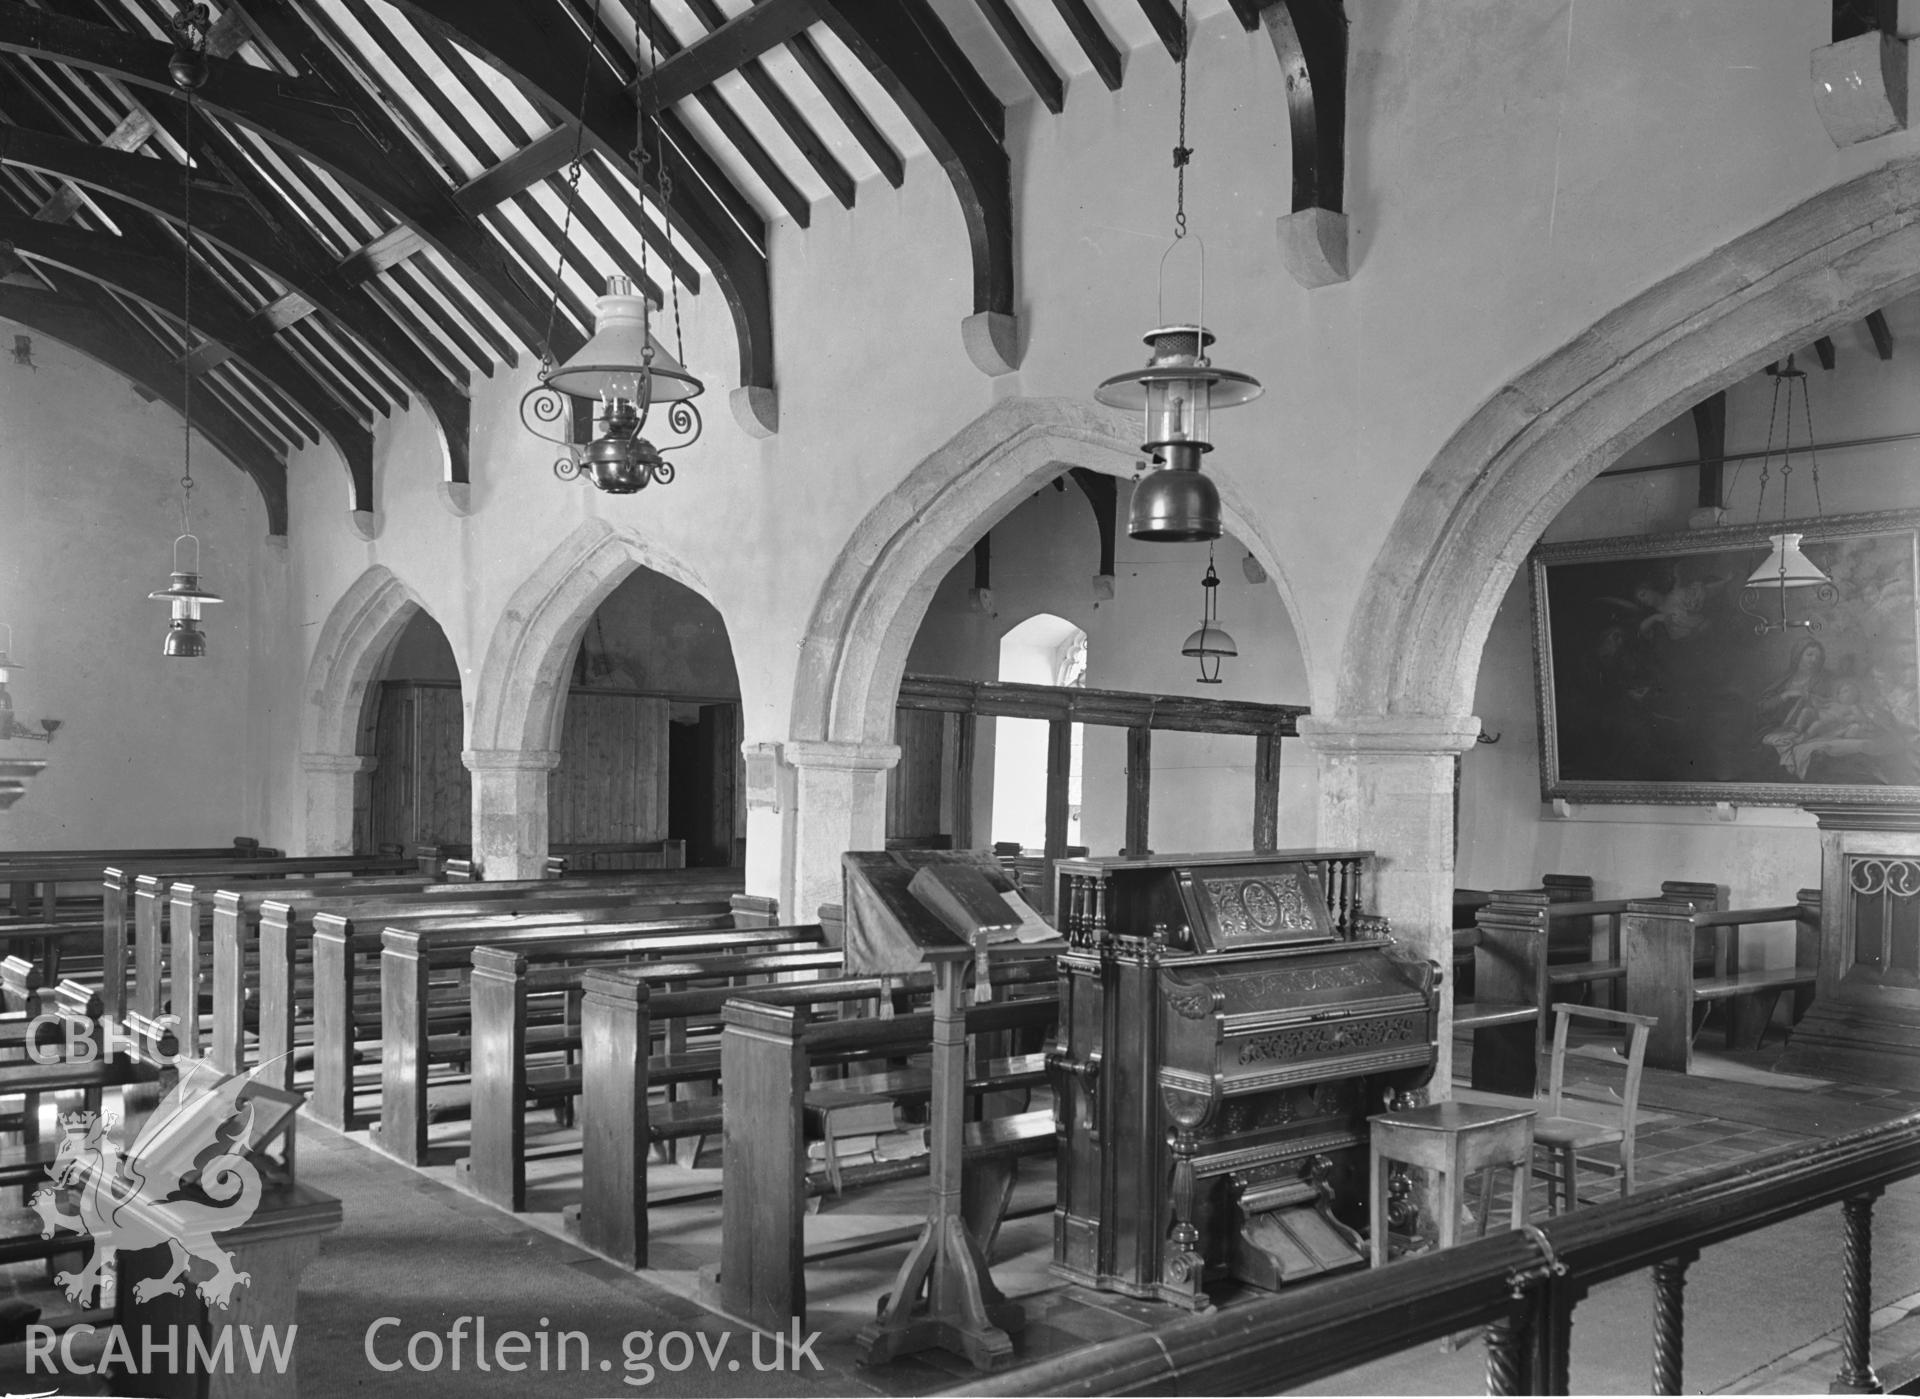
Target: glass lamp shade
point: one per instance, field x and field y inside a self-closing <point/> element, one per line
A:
<point x="613" y="366"/>
<point x="7" y="668"/>
<point x="1786" y="567"/>
<point x="1175" y="502"/>
<point x="1178" y="390"/>
<point x="1211" y="639"/>
<point x="184" y="637"/>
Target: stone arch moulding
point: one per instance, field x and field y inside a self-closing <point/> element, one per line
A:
<point x="352" y="646"/>
<point x="1413" y="646"/>
<point x="855" y="651"/>
<point x="519" y="705"/>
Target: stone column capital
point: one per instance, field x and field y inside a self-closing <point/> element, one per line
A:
<point x="1389" y="735"/>
<point x="832" y="756"/>
<point x="315" y="763"/>
<point x="511" y="759"/>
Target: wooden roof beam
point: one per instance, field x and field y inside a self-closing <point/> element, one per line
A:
<point x="727" y="48"/>
<point x="911" y="55"/>
<point x="325" y="119"/>
<point x="545" y="62"/>
<point x="287" y="251"/>
<point x="148" y="275"/>
<point x="1093" y="41"/>
<point x="847" y="107"/>
<point x="1164" y="16"/>
<point x="760" y="82"/>
<point x="83" y="327"/>
<point x="1026" y="54"/>
<point x="1881" y="332"/>
<point x="1310" y="40"/>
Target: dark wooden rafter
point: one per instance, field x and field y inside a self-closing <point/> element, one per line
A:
<point x="983" y="562"/>
<point x="720" y="111"/>
<point x="1881" y="332"/>
<point x="911" y="55"/>
<point x="1164" y="16"/>
<point x="545" y="155"/>
<point x="847" y="107"/>
<point x="1310" y="39"/>
<point x="151" y="274"/>
<point x="1248" y="12"/>
<point x="1823" y="351"/>
<point x="1026" y="54"/>
<point x="1710" y="428"/>
<point x="779" y="106"/>
<point x="729" y="45"/>
<point x="242" y="215"/>
<point x="545" y="62"/>
<point x="324" y="118"/>
<point x="78" y="322"/>
<point x="1103" y="494"/>
<point x="1101" y="51"/>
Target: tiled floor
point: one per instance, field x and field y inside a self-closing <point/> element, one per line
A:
<point x="1762" y="1309"/>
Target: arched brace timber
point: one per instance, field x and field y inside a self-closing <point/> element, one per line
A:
<point x="128" y="265"/>
<point x="225" y="216"/>
<point x="911" y="55"/>
<point x="306" y="116"/>
<point x="81" y="327"/>
<point x="545" y="63"/>
<point x="1103" y="494"/>
<point x="1310" y="40"/>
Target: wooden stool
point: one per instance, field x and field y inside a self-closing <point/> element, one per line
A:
<point x="1452" y="1140"/>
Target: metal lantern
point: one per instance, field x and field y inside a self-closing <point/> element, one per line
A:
<point x="184" y="637"/>
<point x="1175" y="395"/>
<point x="1782" y="593"/>
<point x="628" y="373"/>
<point x="1211" y="643"/>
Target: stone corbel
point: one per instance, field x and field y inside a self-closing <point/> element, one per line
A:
<point x="1860" y="85"/>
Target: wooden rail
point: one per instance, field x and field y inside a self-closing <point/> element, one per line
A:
<point x="1522" y="1286"/>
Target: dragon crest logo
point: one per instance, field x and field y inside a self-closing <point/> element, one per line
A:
<point x="185" y="1179"/>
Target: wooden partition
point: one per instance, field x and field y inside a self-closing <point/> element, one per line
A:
<point x="610" y="787"/>
<point x="931" y="791"/>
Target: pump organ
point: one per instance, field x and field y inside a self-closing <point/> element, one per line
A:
<point x="1228" y="1023"/>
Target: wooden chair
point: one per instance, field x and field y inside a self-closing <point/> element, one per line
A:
<point x="1559" y="1139"/>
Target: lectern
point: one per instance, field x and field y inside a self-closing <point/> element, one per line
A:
<point x="939" y="910"/>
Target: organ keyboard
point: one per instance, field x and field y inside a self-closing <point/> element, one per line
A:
<point x="1228" y="1023"/>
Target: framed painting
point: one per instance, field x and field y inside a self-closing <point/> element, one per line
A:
<point x="1655" y="685"/>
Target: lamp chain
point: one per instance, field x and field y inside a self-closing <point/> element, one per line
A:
<point x="573" y="187"/>
<point x="1766" y="459"/>
<point x="1182" y="152"/>
<point x="665" y="185"/>
<point x="186" y="338"/>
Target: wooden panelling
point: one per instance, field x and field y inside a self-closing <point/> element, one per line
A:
<point x="611" y="784"/>
<point x="913" y="787"/>
<point x="421" y="793"/>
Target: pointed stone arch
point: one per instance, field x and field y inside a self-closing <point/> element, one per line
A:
<point x="840" y="738"/>
<point x="1413" y="646"/>
<point x="352" y="646"/>
<point x="513" y="735"/>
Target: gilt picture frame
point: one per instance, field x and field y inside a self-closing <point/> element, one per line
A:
<point x="1655" y="686"/>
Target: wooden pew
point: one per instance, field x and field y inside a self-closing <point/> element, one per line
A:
<point x="1519" y="972"/>
<point x="1663" y="975"/>
<point x="25" y="870"/>
<point x="235" y="934"/>
<point x="287" y="946"/>
<point x="409" y="954"/>
<point x="506" y="978"/>
<point x="766" y="1057"/>
<point x="121" y="905"/>
<point x="620" y="1013"/>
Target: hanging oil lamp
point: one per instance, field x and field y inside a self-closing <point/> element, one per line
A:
<point x="1211" y="643"/>
<point x="1784" y="591"/>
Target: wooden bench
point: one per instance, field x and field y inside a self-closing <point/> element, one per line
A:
<point x="25" y="871"/>
<point x="767" y="1052"/>
<point x="506" y="980"/>
<point x="1664" y="974"/>
<point x="410" y="1011"/>
<point x="287" y="926"/>
<point x="1519" y="972"/>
